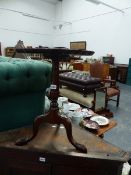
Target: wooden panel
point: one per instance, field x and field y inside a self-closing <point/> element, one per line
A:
<point x="122" y="73"/>
<point x="100" y="73"/>
<point x="64" y="170"/>
<point x="26" y="168"/>
<point x="9" y="51"/>
<point x="99" y="70"/>
<point x="113" y="73"/>
<point x="106" y="70"/>
<point x="61" y="158"/>
<point x="86" y="66"/>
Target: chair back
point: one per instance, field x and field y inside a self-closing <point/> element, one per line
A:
<point x="99" y="70"/>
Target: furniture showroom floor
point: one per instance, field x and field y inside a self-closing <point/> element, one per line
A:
<point x="120" y="135"/>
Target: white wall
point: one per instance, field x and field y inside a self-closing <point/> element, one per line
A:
<point x="13" y="26"/>
<point x="105" y="33"/>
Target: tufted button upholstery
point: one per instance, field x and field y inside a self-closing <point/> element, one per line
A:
<point x="79" y="77"/>
<point x="23" y="86"/>
<point x="19" y="76"/>
<point x="79" y="81"/>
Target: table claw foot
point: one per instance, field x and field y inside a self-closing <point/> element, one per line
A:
<point x="68" y="126"/>
<point x="23" y="141"/>
<point x="80" y="148"/>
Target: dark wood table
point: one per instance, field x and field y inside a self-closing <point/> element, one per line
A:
<point x="53" y="116"/>
<point x="49" y="154"/>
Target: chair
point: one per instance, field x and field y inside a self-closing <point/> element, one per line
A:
<point x="110" y="91"/>
<point x="101" y="70"/>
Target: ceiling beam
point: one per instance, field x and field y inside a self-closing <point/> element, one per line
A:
<point x="97" y="2"/>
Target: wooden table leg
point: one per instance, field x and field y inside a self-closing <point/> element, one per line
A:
<point x="53" y="118"/>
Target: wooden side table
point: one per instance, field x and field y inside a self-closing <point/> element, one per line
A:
<point x="53" y="116"/>
<point x="106" y="128"/>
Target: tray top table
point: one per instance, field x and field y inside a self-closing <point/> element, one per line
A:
<point x="53" y="116"/>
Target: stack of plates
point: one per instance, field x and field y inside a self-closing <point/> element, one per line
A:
<point x="73" y="106"/>
<point x="89" y="124"/>
<point x="101" y="120"/>
<point x="95" y="122"/>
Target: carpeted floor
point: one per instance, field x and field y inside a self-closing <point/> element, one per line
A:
<point x="120" y="135"/>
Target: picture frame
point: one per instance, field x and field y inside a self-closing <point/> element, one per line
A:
<point x="78" y="45"/>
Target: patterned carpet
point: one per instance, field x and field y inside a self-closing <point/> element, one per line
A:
<point x="120" y="135"/>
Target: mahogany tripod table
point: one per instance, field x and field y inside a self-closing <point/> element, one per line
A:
<point x="53" y="116"/>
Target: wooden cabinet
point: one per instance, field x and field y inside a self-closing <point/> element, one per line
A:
<point x="113" y="72"/>
<point x="9" y="51"/>
<point x="78" y="66"/>
<point x="48" y="155"/>
<point x="122" y="72"/>
<point x="27" y="168"/>
<point x="86" y="67"/>
<point x="117" y="71"/>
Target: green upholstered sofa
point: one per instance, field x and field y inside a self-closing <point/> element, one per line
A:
<point x="23" y="85"/>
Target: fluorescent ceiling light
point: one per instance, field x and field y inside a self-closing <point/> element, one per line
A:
<point x="25" y="14"/>
<point x="100" y="2"/>
<point x="33" y="16"/>
<point x="54" y="2"/>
